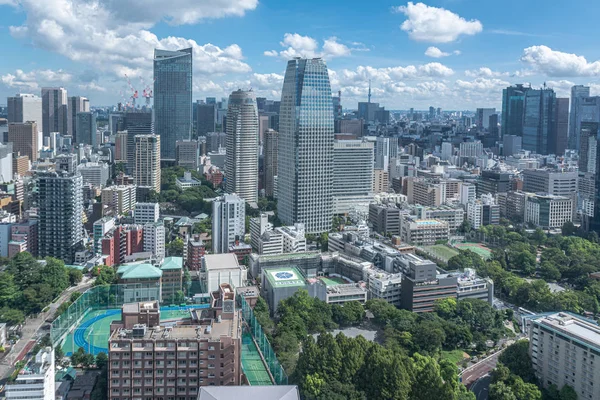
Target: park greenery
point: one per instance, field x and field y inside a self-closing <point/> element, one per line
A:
<point x="522" y="263"/>
<point x="28" y="285"/>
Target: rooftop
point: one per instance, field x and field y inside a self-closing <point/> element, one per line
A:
<point x="172" y="263"/>
<point x="285" y="277"/>
<point x="220" y="261"/>
<point x="576" y="328"/>
<point x="138" y="271"/>
<point x="250" y="392"/>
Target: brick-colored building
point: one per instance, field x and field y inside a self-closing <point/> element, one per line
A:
<point x="173" y="362"/>
<point x="122" y="241"/>
<point x="195" y="251"/>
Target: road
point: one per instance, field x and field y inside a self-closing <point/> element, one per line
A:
<point x="33" y="325"/>
<point x="481" y="387"/>
<point x="476" y="371"/>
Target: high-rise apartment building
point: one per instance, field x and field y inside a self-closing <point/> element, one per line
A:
<point x="229" y="222"/>
<point x="563" y="349"/>
<point x="241" y="162"/>
<point x="206" y="116"/>
<point x="145" y="213"/>
<point x="172" y="98"/>
<point x="539" y="121"/>
<point x="54" y="111"/>
<point x="60" y="212"/>
<point x="352" y="175"/>
<point x="85" y="127"/>
<point x="147" y="161"/>
<point x="305" y="161"/>
<point x="386" y="148"/>
<point x="270" y="151"/>
<point x="76" y="105"/>
<point x="25" y="107"/>
<point x="24" y="137"/>
<point x="135" y="123"/>
<point x="154" y="242"/>
<point x="578" y="93"/>
<point x="120" y="198"/>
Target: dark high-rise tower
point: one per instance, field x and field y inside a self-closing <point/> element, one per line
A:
<point x="172" y="98"/>
<point x="558" y="143"/>
<point x="513" y="102"/>
<point x="578" y="93"/>
<point x="305" y="146"/>
<point x="540" y="119"/>
<point x="54" y="111"/>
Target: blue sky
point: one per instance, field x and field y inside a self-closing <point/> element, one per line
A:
<point x="454" y="54"/>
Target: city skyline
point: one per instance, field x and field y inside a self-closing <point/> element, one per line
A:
<point x="461" y="60"/>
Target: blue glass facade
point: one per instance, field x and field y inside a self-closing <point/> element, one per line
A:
<point x="539" y="120"/>
<point x="172" y="98"/>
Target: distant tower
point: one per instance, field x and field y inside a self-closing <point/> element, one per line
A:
<point x="369" y="91"/>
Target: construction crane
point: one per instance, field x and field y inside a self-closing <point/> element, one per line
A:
<point x="134" y="93"/>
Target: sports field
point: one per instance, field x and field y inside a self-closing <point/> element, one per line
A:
<point x="252" y="364"/>
<point x="441" y="251"/>
<point x="476" y="248"/>
<point x="93" y="331"/>
<point x="333" y="281"/>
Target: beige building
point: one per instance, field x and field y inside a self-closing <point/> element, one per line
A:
<point x="147" y="161"/>
<point x="423" y="232"/>
<point x="381" y="181"/>
<point x="121" y="198"/>
<point x="24" y="137"/>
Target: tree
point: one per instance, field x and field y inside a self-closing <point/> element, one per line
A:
<point x="335" y="390"/>
<point x="446" y="308"/>
<point x="75" y="276"/>
<point x="8" y="288"/>
<point x="12" y="316"/>
<point x="384" y="375"/>
<point x="501" y="391"/>
<point x="516" y="359"/>
<point x="427" y="381"/>
<point x="58" y="353"/>
<point x="567" y="393"/>
<point x="175" y="247"/>
<point x="500" y="374"/>
<point x="78" y="357"/>
<point x="525" y="391"/>
<point x="178" y="297"/>
<point x="55" y="275"/>
<point x="25" y="269"/>
<point x="349" y="313"/>
<point x="74" y="296"/>
<point x="101" y="360"/>
<point x="428" y="336"/>
<point x="105" y="275"/>
<point x="568" y="229"/>
<point x="353" y="356"/>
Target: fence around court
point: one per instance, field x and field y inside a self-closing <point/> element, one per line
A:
<point x="261" y="340"/>
<point x="96" y="298"/>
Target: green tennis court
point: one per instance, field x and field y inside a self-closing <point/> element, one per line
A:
<point x="252" y="364"/>
<point x="441" y="251"/>
<point x="333" y="281"/>
<point x="476" y="248"/>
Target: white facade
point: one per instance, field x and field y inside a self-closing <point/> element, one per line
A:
<point x="6" y="167"/>
<point x="352" y="175"/>
<point x="94" y="173"/>
<point x="146" y="213"/>
<point x="548" y="211"/>
<point x="228" y="222"/>
<point x="269" y="241"/>
<point x="101" y="228"/>
<point x="385" y="286"/>
<point x="475" y="214"/>
<point x="36" y="382"/>
<point x="122" y="198"/>
<point x="241" y="163"/>
<point x="468" y="193"/>
<point x="447" y="151"/>
<point x="294" y="240"/>
<point x="223" y="268"/>
<point x="154" y="240"/>
<point x="146" y="170"/>
<point x="471" y="149"/>
<point x="25" y="107"/>
<point x="187" y="181"/>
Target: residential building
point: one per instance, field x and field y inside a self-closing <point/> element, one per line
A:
<point x="229" y="218"/>
<point x="353" y="175"/>
<point x="270" y="151"/>
<point x="422" y="232"/>
<point x="563" y="348"/>
<point x="581" y="103"/>
<point x="25" y="139"/>
<point x="27" y="232"/>
<point x="429" y="193"/>
<point x="187" y="154"/>
<point x="539" y="120"/>
<point x="218" y="269"/>
<point x="305" y="148"/>
<point x="135" y="122"/>
<point x="154" y="241"/>
<point x="20" y="164"/>
<point x="548" y="211"/>
<point x="76" y="105"/>
<point x="60" y="211"/>
<point x="94" y="173"/>
<point x="172" y="99"/>
<point x="172" y="278"/>
<point x="470" y="150"/>
<point x="559" y="183"/>
<point x="241" y="163"/>
<point x="101" y="228"/>
<point x="85" y="123"/>
<point x="483" y="211"/>
<point x="147" y="161"/>
<point x="146" y="213"/>
<point x="195" y="251"/>
<point x="25" y="107"/>
<point x="54" y="111"/>
<point x="468" y="193"/>
<point x="385" y="219"/>
<point x="36" y="380"/>
<point x="422" y="285"/>
<point x="66" y="162"/>
<point x="123" y="243"/>
<point x="122" y="198"/>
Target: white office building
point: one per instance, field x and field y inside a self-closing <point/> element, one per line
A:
<point x="36" y="379"/>
<point x="146" y="213"/>
<point x="25" y="107"/>
<point x="94" y="173"/>
<point x="154" y="240"/>
<point x="122" y="198"/>
<point x="352" y="175"/>
<point x="228" y="222"/>
<point x="548" y="211"/>
<point x="222" y="268"/>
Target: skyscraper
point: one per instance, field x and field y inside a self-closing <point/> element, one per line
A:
<point x="352" y="175"/>
<point x="24" y="137"/>
<point x="172" y="98"/>
<point x="54" y="111"/>
<point x="85" y="126"/>
<point x="241" y="162"/>
<point x="386" y="148"/>
<point x="76" y="104"/>
<point x="147" y="161"/>
<point x="25" y="107"/>
<point x="270" y="165"/>
<point x="586" y="109"/>
<point x="60" y="210"/>
<point x="539" y="121"/>
<point x="558" y="143"/>
<point x="482" y="117"/>
<point x="228" y="222"/>
<point x="136" y="123"/>
<point x="513" y="102"/>
<point x="578" y="92"/>
<point x="206" y="115"/>
<point x="305" y="159"/>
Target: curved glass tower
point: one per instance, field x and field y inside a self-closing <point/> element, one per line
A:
<point x="305" y="154"/>
<point x="241" y="161"/>
<point x="172" y="98"/>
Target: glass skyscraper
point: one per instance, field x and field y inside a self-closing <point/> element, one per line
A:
<point x="172" y="98"/>
<point x="540" y="119"/>
<point x="578" y="93"/>
<point x="513" y="100"/>
<point x="306" y="138"/>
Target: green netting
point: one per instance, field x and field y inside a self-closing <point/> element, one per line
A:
<point x="252" y="364"/>
<point x="264" y="346"/>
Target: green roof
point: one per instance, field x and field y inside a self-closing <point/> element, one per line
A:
<point x="138" y="271"/>
<point x="285" y="277"/>
<point x="79" y="267"/>
<point x="172" y="263"/>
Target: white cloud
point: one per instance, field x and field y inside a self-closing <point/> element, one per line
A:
<point x="483" y="85"/>
<point x="35" y="79"/>
<point x="484" y="72"/>
<point x="561" y="87"/>
<point x="92" y="86"/>
<point x="558" y="64"/>
<point x="297" y="45"/>
<point x="434" y="52"/>
<point x="436" y="25"/>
